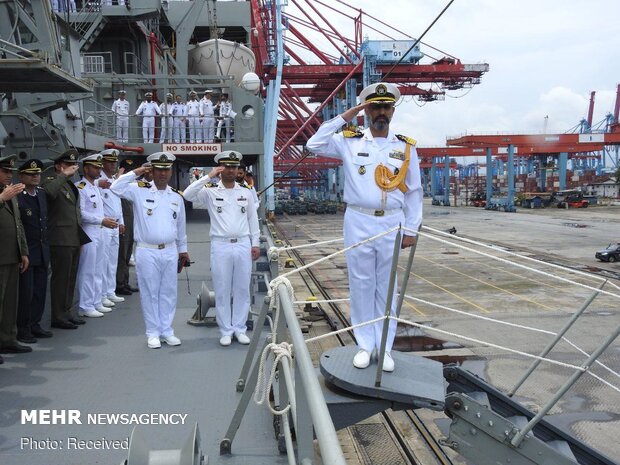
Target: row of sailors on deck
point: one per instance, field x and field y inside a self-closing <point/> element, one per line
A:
<point x="75" y="227"/>
<point x="64" y="6"/>
<point x="177" y="118"/>
<point x="61" y="6"/>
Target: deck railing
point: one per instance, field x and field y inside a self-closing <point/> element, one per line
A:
<point x="303" y="393"/>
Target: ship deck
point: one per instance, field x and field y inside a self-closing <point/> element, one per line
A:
<point x="105" y="367"/>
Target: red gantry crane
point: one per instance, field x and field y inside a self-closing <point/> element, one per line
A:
<point x="327" y="64"/>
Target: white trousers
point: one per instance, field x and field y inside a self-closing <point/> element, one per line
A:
<point x="231" y="272"/>
<point x="178" y="132"/>
<point x="148" y="129"/>
<point x="369" y="269"/>
<point x="90" y="270"/>
<point x="165" y="134"/>
<point x="208" y="128"/>
<point x="157" y="279"/>
<point x="195" y="129"/>
<point x="226" y="123"/>
<point x="110" y="246"/>
<point x="122" y="128"/>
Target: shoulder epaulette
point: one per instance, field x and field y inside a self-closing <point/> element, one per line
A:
<point x="144" y="184"/>
<point x="177" y="191"/>
<point x="81" y="185"/>
<point x="211" y="184"/>
<point x="406" y="140"/>
<point x="348" y="133"/>
<point x="246" y="185"/>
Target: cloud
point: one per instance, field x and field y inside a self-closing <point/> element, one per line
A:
<point x="545" y="58"/>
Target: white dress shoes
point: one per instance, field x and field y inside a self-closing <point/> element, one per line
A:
<point x="388" y="362"/>
<point x="225" y="341"/>
<point x="90" y="314"/>
<point x="242" y="338"/>
<point x="171" y="340"/>
<point x="114" y="298"/>
<point x="107" y="302"/>
<point x="361" y="359"/>
<point x="103" y="309"/>
<point x="153" y="343"/>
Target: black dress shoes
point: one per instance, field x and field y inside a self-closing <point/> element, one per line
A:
<point x="77" y="321"/>
<point x="122" y="291"/>
<point x="132" y="289"/>
<point x="63" y="325"/>
<point x="26" y="338"/>
<point x="1" y="360"/>
<point x="15" y="349"/>
<point x="39" y="332"/>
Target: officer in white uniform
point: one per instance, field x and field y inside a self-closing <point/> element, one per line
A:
<point x="179" y="113"/>
<point x="120" y="107"/>
<point x="165" y="134"/>
<point x="161" y="242"/>
<point x="94" y="220"/>
<point x="148" y="110"/>
<point x="382" y="190"/>
<point x="225" y="110"/>
<point x="110" y="237"/>
<point x="208" y="117"/>
<point x="234" y="243"/>
<point x="193" y="118"/>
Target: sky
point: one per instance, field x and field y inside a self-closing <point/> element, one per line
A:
<point x="545" y="58"/>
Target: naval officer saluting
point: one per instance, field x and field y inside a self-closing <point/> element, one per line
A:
<point x="161" y="241"/>
<point x="382" y="191"/>
<point x="234" y="242"/>
<point x="92" y="258"/>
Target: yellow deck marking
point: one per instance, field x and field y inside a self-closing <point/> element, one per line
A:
<point x="456" y="296"/>
<point x="489" y="284"/>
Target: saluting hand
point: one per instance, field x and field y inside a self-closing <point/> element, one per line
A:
<point x="11" y="191"/>
<point x="215" y="172"/>
<point x="146" y="168"/>
<point x="104" y="183"/>
<point x="69" y="170"/>
<point x="109" y="223"/>
<point x="352" y="112"/>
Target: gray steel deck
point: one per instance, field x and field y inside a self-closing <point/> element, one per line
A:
<point x="105" y="367"/>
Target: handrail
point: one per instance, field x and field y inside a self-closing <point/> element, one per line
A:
<point x="323" y="425"/>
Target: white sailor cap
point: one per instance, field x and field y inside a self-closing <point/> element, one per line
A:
<point x="192" y="93"/>
<point x="122" y="92"/>
<point x="93" y="160"/>
<point x="161" y="160"/>
<point x="229" y="158"/>
<point x="208" y="91"/>
<point x="169" y="95"/>
<point x="148" y="94"/>
<point x="381" y="92"/>
<point x="110" y="154"/>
